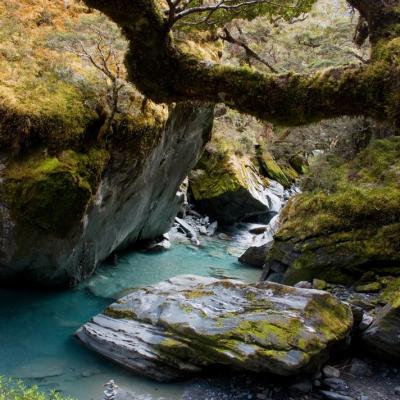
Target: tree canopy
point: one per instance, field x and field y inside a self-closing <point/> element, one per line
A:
<point x="164" y="73"/>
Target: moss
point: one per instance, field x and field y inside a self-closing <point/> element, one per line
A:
<point x="372" y="287"/>
<point x="391" y="289"/>
<point x="270" y="168"/>
<point x="119" y="313"/>
<point x="52" y="193"/>
<point x="338" y="233"/>
<point x="216" y="174"/>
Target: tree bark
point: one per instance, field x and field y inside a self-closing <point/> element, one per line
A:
<point x="165" y="74"/>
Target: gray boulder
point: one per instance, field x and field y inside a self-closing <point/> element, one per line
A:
<point x="255" y="255"/>
<point x="382" y="338"/>
<point x="181" y="326"/>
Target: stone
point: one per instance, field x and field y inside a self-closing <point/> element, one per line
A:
<point x="255" y="255"/>
<point x="330" y="372"/>
<point x="229" y="188"/>
<point x="212" y="228"/>
<point x="158" y="246"/>
<point x="203" y="230"/>
<point x="335" y="396"/>
<point x="303" y="285"/>
<point x="304" y="386"/>
<point x="397" y="391"/>
<point x="382" y="337"/>
<point x="360" y="368"/>
<point x="372" y="287"/>
<point x="336" y="384"/>
<point x="319" y="284"/>
<point x="182" y="326"/>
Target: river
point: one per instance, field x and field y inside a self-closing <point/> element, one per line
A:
<point x="36" y="328"/>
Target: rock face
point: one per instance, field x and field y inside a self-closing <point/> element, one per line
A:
<point x="77" y="210"/>
<point x="182" y="326"/>
<point x="347" y="225"/>
<point x="382" y="338"/>
<point x="229" y="188"/>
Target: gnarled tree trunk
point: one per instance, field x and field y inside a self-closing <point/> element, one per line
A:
<point x="165" y="74"/>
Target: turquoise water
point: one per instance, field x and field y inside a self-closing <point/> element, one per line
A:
<point x="36" y="328"/>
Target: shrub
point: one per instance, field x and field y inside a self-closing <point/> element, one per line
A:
<point x="11" y="389"/>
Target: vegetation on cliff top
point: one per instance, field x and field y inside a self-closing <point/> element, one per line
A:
<point x="347" y="220"/>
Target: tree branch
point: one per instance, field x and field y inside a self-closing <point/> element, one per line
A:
<point x="249" y="52"/>
<point x="165" y="74"/>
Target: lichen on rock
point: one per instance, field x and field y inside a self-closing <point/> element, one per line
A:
<point x="185" y="324"/>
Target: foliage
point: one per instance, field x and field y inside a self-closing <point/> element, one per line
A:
<point x="16" y="390"/>
<point x="202" y="15"/>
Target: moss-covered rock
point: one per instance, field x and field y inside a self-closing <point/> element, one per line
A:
<point x="63" y="212"/>
<point x="52" y="193"/>
<point x="352" y="226"/>
<point x="382" y="337"/>
<point x="182" y="326"/>
<point x="228" y="187"/>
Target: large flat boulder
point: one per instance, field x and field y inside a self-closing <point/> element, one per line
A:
<point x="180" y="327"/>
<point x="382" y="338"/>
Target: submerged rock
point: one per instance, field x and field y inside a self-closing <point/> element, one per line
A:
<point x="382" y="338"/>
<point x="61" y="216"/>
<point x="181" y="326"/>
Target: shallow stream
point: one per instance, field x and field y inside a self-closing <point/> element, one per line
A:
<point x="36" y="328"/>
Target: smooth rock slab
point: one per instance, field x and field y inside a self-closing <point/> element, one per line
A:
<point x="181" y="326"/>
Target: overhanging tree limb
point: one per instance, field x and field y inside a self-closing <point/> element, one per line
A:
<point x="165" y="74"/>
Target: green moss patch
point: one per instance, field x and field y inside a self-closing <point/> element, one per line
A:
<point x="52" y="193"/>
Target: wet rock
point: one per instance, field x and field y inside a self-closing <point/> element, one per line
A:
<point x="212" y="228"/>
<point x="255" y="256"/>
<point x="335" y="396"/>
<point x="303" y="285"/>
<point x="158" y="246"/>
<point x="360" y="368"/>
<point x="330" y="372"/>
<point x="382" y="337"/>
<point x="132" y="200"/>
<point x="179" y="327"/>
<point x="229" y="188"/>
<point x="336" y="384"/>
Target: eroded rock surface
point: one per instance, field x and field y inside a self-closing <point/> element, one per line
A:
<point x="382" y="338"/>
<point x="181" y="326"/>
<point x="229" y="188"/>
<point x="62" y="216"/>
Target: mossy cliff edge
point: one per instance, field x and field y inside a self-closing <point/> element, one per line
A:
<point x="349" y="225"/>
<point x="63" y="212"/>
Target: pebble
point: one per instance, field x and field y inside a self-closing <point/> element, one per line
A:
<point x="363" y="397"/>
<point x="397" y="390"/>
<point x="261" y="396"/>
<point x="330" y="372"/>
